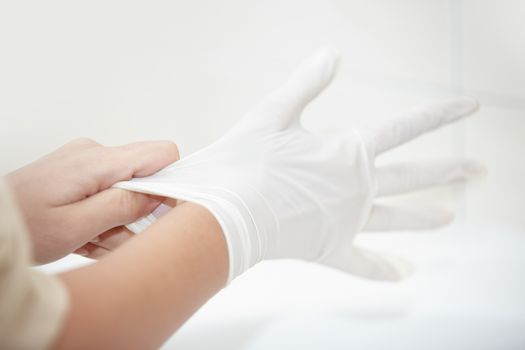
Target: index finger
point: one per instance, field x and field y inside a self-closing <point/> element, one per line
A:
<point x="421" y="120"/>
<point x="137" y="159"/>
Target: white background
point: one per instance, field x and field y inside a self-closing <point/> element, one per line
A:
<point x="122" y="71"/>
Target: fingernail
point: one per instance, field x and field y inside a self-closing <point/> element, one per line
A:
<point x="81" y="252"/>
<point x="155" y="197"/>
<point x="154" y="202"/>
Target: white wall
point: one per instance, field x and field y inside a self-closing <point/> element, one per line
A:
<point x="121" y="71"/>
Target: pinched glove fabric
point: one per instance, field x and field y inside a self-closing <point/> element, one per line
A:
<point x="280" y="191"/>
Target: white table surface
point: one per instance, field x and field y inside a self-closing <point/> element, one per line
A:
<point x="467" y="292"/>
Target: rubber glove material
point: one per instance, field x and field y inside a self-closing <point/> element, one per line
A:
<point x="280" y="191"/>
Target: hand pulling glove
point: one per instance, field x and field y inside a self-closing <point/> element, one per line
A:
<point x="280" y="191"/>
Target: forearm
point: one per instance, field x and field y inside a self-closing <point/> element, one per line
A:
<point x="143" y="292"/>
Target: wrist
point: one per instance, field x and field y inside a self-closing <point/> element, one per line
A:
<point x="249" y="225"/>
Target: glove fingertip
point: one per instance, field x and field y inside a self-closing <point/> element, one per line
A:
<point x="371" y="265"/>
<point x="330" y="58"/>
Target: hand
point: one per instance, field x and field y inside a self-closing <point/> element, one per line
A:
<point x="280" y="191"/>
<point x="66" y="197"/>
<point x="110" y="240"/>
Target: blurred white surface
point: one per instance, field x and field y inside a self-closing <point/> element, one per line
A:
<point x="121" y="71"/>
<point x="467" y="293"/>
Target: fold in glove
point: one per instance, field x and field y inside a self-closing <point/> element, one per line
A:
<point x="280" y="191"/>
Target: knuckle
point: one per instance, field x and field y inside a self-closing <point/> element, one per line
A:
<point x="110" y="165"/>
<point x="96" y="159"/>
<point x="131" y="205"/>
<point x="170" y="148"/>
<point x="84" y="141"/>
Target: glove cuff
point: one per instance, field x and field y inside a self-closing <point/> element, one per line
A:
<point x="246" y="241"/>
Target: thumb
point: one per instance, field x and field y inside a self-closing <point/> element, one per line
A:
<point x="108" y="209"/>
<point x="284" y="106"/>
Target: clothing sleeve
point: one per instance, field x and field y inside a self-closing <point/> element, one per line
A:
<point x="33" y="305"/>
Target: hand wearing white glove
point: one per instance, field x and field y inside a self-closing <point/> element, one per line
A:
<point x="280" y="191"/>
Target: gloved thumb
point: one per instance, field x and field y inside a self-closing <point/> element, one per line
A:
<point x="283" y="107"/>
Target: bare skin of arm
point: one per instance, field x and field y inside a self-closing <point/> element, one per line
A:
<point x="136" y="297"/>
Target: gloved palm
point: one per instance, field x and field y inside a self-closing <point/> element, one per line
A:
<point x="280" y="191"/>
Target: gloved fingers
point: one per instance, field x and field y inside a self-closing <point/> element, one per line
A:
<point x="284" y="105"/>
<point x="396" y="218"/>
<point x="405" y="177"/>
<point x="421" y="120"/>
<point x="371" y="265"/>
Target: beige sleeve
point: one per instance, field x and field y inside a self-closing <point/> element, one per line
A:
<point x="33" y="305"/>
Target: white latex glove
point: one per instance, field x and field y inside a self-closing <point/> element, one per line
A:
<point x="280" y="191"/>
